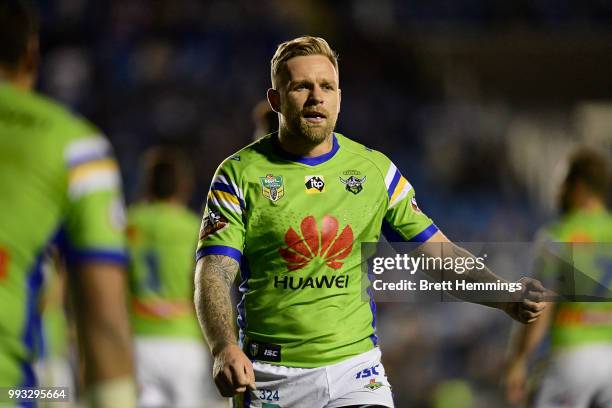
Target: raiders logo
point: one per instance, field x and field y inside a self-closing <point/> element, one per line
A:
<point x="353" y="184"/>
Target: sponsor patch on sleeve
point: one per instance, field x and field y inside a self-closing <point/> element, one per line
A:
<point x="212" y="222"/>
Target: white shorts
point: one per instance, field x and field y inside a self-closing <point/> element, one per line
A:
<point x="174" y="373"/>
<point x="356" y="381"/>
<point x="580" y="377"/>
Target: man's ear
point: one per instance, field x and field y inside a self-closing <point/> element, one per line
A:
<point x="32" y="56"/>
<point x="274" y="99"/>
<point x="27" y="68"/>
<point x="339" y="99"/>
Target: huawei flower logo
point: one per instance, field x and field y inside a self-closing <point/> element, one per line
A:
<point x="311" y="244"/>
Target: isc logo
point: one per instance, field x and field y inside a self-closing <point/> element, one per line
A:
<point x="368" y="372"/>
<point x="314" y="184"/>
<point x="271" y="353"/>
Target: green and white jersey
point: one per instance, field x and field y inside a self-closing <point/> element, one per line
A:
<point x="295" y="225"/>
<point x="58" y="181"/>
<point x="590" y="265"/>
<point x="161" y="241"/>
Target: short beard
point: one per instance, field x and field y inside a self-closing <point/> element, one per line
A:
<point x="311" y="135"/>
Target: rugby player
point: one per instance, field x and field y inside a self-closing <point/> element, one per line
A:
<point x="172" y="360"/>
<point x="579" y="373"/>
<point x="58" y="181"/>
<point x="289" y="212"/>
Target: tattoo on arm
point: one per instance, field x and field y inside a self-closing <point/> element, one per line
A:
<point x="214" y="278"/>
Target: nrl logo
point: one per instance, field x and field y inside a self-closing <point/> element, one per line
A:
<point x="353" y="184"/>
<point x="272" y="187"/>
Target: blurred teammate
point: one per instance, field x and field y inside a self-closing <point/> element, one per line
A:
<point x="58" y="181"/>
<point x="264" y="119"/>
<point x="290" y="211"/>
<point x="580" y="370"/>
<point x="172" y="361"/>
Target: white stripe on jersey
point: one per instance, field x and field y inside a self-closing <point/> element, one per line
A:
<point x="220" y="178"/>
<point x="90" y="148"/>
<point x="405" y="190"/>
<point x="218" y="201"/>
<point x="100" y="180"/>
<point x="390" y="175"/>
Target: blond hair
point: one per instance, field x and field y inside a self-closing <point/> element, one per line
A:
<point x="298" y="47"/>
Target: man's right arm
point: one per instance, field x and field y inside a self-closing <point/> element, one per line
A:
<point x="93" y="239"/>
<point x="98" y="290"/>
<point x="232" y="369"/>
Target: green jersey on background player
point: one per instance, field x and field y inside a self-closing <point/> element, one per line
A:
<point x="574" y="254"/>
<point x="172" y="360"/>
<point x="59" y="183"/>
<point x="161" y="270"/>
<point x="63" y="185"/>
<point x="576" y="323"/>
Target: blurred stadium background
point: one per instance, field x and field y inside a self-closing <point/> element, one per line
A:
<point x="477" y="101"/>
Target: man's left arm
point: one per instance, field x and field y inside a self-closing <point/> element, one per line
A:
<point x="524" y="305"/>
<point x="405" y="222"/>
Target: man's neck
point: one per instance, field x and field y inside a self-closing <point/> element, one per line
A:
<point x="174" y="201"/>
<point x="297" y="146"/>
<point x="592" y="204"/>
<point x="21" y="81"/>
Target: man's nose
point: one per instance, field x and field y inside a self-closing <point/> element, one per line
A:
<point x="316" y="95"/>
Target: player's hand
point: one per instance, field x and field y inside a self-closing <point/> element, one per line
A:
<point x="515" y="380"/>
<point x="232" y="371"/>
<point x="527" y="305"/>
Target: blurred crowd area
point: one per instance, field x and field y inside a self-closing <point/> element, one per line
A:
<point x="478" y="102"/>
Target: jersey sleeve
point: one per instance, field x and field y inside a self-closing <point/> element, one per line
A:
<point x="95" y="217"/>
<point x="404" y="221"/>
<point x="222" y="230"/>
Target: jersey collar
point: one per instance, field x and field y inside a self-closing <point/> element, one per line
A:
<point x="309" y="161"/>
